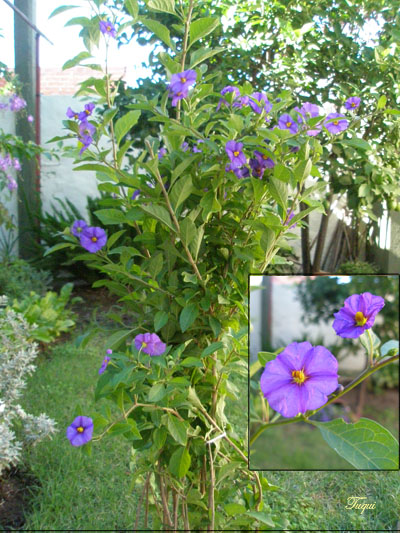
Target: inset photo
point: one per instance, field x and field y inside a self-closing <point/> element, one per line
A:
<point x="324" y="372"/>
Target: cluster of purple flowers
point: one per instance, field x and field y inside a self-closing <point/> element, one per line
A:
<point x="301" y="377"/>
<point x="107" y="28"/>
<point x="258" y="164"/>
<point x="86" y="129"/>
<point x="92" y="238"/>
<point x="81" y="430"/>
<point x="15" y="103"/>
<point x="180" y="84"/>
<point x="6" y="163"/>
<point x="257" y="101"/>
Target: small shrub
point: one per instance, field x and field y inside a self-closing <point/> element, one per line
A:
<point x="49" y="313"/>
<point x="17" y="278"/>
<point x="357" y="267"/>
<point x="17" y="354"/>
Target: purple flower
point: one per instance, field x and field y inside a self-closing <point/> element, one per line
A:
<point x="235" y="154"/>
<point x="336" y="123"/>
<point x="185" y="146"/>
<point x="182" y="81"/>
<point x="12" y="184"/>
<point x="104" y="364"/>
<point x="83" y="115"/>
<point x="312" y="133"/>
<point x="308" y="110"/>
<point x="294" y="149"/>
<point x="16" y="103"/>
<point x="225" y="90"/>
<point x="93" y="239"/>
<point x="162" y="152"/>
<point x="30" y="118"/>
<point x="107" y="28"/>
<point x="357" y="315"/>
<point x="17" y="164"/>
<point x="242" y="172"/>
<point x="262" y="99"/>
<point x="243" y="101"/>
<point x="135" y="194"/>
<point x="299" y="379"/>
<point x="109" y="351"/>
<point x="3" y="106"/>
<point x="176" y="97"/>
<point x="195" y="149"/>
<point x="286" y="122"/>
<point x="86" y="128"/>
<point x="149" y="343"/>
<point x="77" y="227"/>
<point x="72" y="114"/>
<point x="266" y="161"/>
<point x="80" y="431"/>
<point x="289" y="216"/>
<point x="352" y="103"/>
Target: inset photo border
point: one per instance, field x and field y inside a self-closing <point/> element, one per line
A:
<point x="324" y="372"/>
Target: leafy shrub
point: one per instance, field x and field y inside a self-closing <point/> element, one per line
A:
<point x="17" y="278"/>
<point x="49" y="313"/>
<point x="17" y="353"/>
<point x="357" y="267"/>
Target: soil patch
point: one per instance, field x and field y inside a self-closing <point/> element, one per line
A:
<point x="16" y="486"/>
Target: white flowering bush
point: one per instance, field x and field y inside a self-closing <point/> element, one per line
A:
<point x="17" y="354"/>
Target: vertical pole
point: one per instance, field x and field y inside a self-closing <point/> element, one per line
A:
<point x="25" y="68"/>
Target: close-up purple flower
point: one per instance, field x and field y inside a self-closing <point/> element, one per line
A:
<point x="299" y="379"/>
<point x="307" y="111"/>
<point x="242" y="172"/>
<point x="16" y="103"/>
<point x="177" y="96"/>
<point x="107" y="28"/>
<point x="108" y="351"/>
<point x="242" y="101"/>
<point x="185" y="146"/>
<point x="93" y="239"/>
<point x="86" y="141"/>
<point x="357" y="314"/>
<point x="80" y="431"/>
<point x="150" y="343"/>
<point x="196" y="149"/>
<point x="225" y="90"/>
<point x="352" y="103"/>
<point x="72" y="114"/>
<point x="336" y="123"/>
<point x="86" y="128"/>
<point x="181" y="81"/>
<point x="264" y="160"/>
<point x="12" y="184"/>
<point x="30" y="118"/>
<point x="135" y="194"/>
<point x="3" y="106"/>
<point x="286" y="122"/>
<point x="235" y="154"/>
<point x="263" y="103"/>
<point x="16" y="164"/>
<point x="87" y="111"/>
<point x="77" y="227"/>
<point x="162" y="152"/>
<point x="104" y="364"/>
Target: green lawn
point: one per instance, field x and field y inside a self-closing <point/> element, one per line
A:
<point x="81" y="493"/>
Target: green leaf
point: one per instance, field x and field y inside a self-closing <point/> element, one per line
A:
<point x="267" y="238"/>
<point x="303" y="170"/>
<point x="282" y="173"/>
<point x="110" y="216"/>
<point x="178" y="429"/>
<point x="160" y="319"/>
<point x="188" y="231"/>
<point x="364" y="444"/>
<point x="264" y="357"/>
<point x="357" y="143"/>
<point x="125" y="123"/>
<point x="156" y="393"/>
<point x="181" y="190"/>
<point x="116" y="338"/>
<point x="262" y="517"/>
<point x="60" y="9"/>
<point x="58" y="246"/>
<point x="202" y="27"/>
<point x="202" y="54"/>
<point x="210" y="204"/>
<point x="132" y="7"/>
<point x="215" y="325"/>
<point x="194" y="245"/>
<point x="388" y="347"/>
<point x="191" y="361"/>
<point x="76" y="60"/>
<point x="232" y="509"/>
<point x="188" y="316"/>
<point x="365" y="341"/>
<point x="278" y="191"/>
<point x="213" y="347"/>
<point x="161" y="31"/>
<point x="160" y="213"/>
<point x="165" y="6"/>
<point x="381" y="102"/>
<point x="179" y="463"/>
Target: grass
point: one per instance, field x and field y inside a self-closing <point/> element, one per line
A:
<point x="80" y="492"/>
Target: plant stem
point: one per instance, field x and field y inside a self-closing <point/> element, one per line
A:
<point x="211" y="504"/>
<point x="304" y="418"/>
<point x="184" y="50"/>
<point x="371" y="350"/>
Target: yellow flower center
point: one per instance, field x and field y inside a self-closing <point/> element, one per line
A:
<point x="76" y="115"/>
<point x="80" y="429"/>
<point x="265" y="156"/>
<point x="144" y="344"/>
<point x="353" y="104"/>
<point x="288" y="124"/>
<point x="108" y="28"/>
<point x="336" y="122"/>
<point x="183" y="80"/>
<point x="178" y="94"/>
<point x="236" y="153"/>
<point x="94" y="239"/>
<point x="87" y="111"/>
<point x="298" y="376"/>
<point x="360" y="318"/>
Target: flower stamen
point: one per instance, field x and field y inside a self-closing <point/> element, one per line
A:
<point x="360" y="318"/>
<point x="298" y="376"/>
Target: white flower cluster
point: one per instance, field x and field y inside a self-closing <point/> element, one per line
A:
<point x="17" y="353"/>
